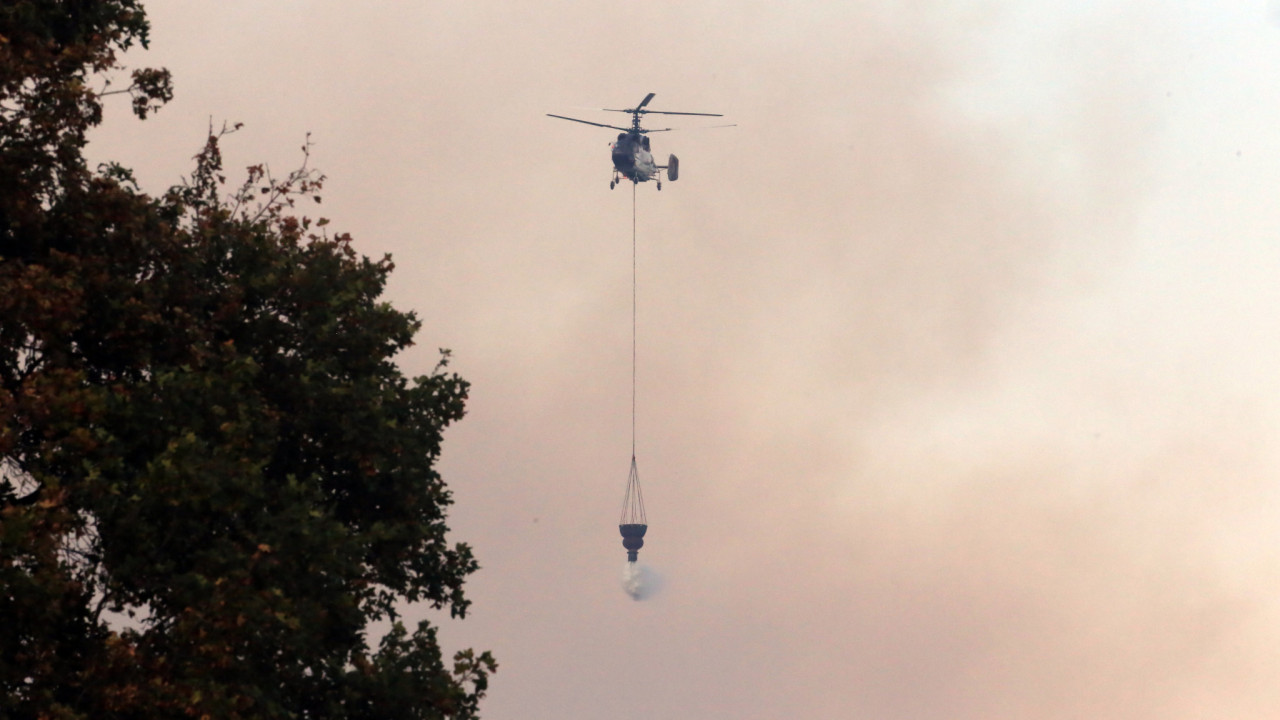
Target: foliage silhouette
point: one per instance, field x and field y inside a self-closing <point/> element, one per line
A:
<point x="203" y="434"/>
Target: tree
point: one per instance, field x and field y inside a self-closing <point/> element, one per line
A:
<point x="203" y="433"/>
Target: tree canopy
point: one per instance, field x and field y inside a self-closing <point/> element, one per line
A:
<point x="213" y="475"/>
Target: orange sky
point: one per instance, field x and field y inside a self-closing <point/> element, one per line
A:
<point x="956" y="388"/>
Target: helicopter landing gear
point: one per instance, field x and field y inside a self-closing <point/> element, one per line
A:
<point x="659" y="186"/>
<point x="612" y="183"/>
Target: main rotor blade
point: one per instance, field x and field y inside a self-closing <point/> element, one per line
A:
<point x="588" y="122"/>
<point x="668" y="112"/>
<point x="646" y="100"/>
<point x="708" y="127"/>
<point x="660" y="112"/>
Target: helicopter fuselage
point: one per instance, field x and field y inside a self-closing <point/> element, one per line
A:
<point x="632" y="159"/>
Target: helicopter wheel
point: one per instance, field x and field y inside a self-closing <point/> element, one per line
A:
<point x="659" y="186"/>
<point x="612" y="183"/>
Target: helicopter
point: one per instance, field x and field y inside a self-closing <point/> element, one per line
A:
<point x="631" y="156"/>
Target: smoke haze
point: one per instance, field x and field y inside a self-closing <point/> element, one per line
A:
<point x="956" y="392"/>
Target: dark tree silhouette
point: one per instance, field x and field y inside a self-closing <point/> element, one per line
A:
<point x="203" y="433"/>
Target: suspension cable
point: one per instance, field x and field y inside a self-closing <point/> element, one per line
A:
<point x="633" y="323"/>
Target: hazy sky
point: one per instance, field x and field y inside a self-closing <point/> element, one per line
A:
<point x="957" y="393"/>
